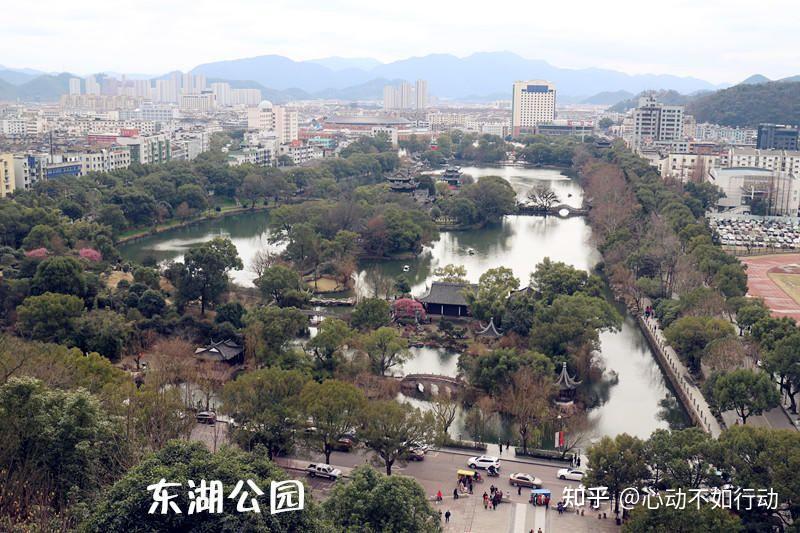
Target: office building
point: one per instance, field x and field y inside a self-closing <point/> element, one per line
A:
<point x="776" y="137"/>
<point x="74" y="86"/>
<point x="533" y="102"/>
<point x="656" y="124"/>
<point x="7" y="182"/>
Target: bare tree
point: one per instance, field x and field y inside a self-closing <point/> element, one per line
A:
<point x="444" y="407"/>
<point x="529" y="402"/>
<point x="543" y="197"/>
<point x="261" y="261"/>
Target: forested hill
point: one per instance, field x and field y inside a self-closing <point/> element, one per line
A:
<point x="668" y="97"/>
<point x="749" y="104"/>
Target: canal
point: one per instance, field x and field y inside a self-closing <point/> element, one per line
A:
<point x="636" y="398"/>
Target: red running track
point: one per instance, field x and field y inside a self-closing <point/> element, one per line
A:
<point x="759" y="284"/>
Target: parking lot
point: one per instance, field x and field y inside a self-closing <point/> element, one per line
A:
<point x="753" y="233"/>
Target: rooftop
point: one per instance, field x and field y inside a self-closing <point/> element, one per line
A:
<point x="447" y="293"/>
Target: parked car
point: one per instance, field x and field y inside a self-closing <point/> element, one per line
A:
<point x="572" y="474"/>
<point x="206" y="417"/>
<point x="519" y="479"/>
<point x="484" y="461"/>
<point x="343" y="444"/>
<point x="323" y="470"/>
<point x="415" y="454"/>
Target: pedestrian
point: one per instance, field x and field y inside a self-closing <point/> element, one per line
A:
<point x="447" y="517"/>
<point x="508" y="445"/>
<point x="579" y="460"/>
<point x="455" y="494"/>
<point x="440" y="515"/>
<point x="519" y="490"/>
<point x="491" y="490"/>
<point x="540" y="530"/>
<point x="439" y="497"/>
<point x="501" y="446"/>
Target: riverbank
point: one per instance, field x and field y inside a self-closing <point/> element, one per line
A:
<point x="207" y="216"/>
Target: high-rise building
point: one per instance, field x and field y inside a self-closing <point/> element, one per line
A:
<point x="390" y="97"/>
<point x="74" y="86"/>
<point x="421" y="94"/>
<point x="7" y="182"/>
<point x="222" y="91"/>
<point x="268" y="117"/>
<point x="776" y="137"/>
<point x="142" y="89"/>
<point x="655" y="123"/>
<point x="406" y="91"/>
<point x="533" y="102"/>
<point x="92" y="87"/>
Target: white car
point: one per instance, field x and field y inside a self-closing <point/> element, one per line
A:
<point x="572" y="474"/>
<point x="484" y="461"/>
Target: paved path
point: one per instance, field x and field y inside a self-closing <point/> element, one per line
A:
<point x="698" y="402"/>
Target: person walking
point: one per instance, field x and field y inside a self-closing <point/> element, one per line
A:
<point x="485" y="500"/>
<point x="447" y="517"/>
<point x="439" y="497"/>
<point x="519" y="490"/>
<point x="455" y="494"/>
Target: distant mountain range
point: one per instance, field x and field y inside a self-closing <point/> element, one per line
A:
<point x="484" y="74"/>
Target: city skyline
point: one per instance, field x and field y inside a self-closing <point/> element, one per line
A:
<point x="570" y="35"/>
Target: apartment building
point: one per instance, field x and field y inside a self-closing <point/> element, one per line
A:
<point x="7" y="181"/>
<point x="656" y="124"/>
<point x="268" y="117"/>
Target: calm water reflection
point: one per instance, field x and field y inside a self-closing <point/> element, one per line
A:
<point x="635" y="404"/>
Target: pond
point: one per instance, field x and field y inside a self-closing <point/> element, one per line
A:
<point x="635" y="400"/>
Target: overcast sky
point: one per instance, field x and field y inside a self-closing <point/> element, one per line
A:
<point x="717" y="40"/>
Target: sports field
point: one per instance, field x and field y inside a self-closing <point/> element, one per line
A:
<point x="776" y="279"/>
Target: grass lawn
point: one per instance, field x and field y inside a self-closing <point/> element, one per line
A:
<point x="789" y="283"/>
<point x="324" y="285"/>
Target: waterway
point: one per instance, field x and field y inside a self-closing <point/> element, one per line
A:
<point x="637" y="399"/>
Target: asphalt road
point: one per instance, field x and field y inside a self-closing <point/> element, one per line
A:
<point x="438" y="472"/>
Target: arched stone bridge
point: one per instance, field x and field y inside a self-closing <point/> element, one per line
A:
<point x="428" y="381"/>
<point x="572" y="211"/>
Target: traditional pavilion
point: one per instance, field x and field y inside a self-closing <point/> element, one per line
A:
<point x="490" y="331"/>
<point x="447" y="299"/>
<point x="566" y="386"/>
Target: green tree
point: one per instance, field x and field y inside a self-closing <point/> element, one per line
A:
<point x="555" y="278"/>
<point x="49" y="317"/>
<point x="148" y="276"/>
<point x="764" y="458"/>
<point x="393" y="429"/>
<point x="104" y="332"/>
<point x="494" y="287"/>
<point x="386" y="349"/>
<point x="493" y="372"/>
<point x="123" y="507"/>
<point x="616" y="463"/>
<point x="746" y="391"/>
<point x="231" y="312"/>
<point x="373" y="502"/>
<point x="331" y="337"/>
<point x="56" y="444"/>
<point x="205" y="274"/>
<point x="690" y="335"/>
<point x="571" y="322"/>
<point x="529" y="401"/>
<point x="750" y="313"/>
<point x="253" y="187"/>
<point x="664" y="519"/>
<point x="151" y="303"/>
<point x="370" y="313"/>
<point x="493" y="196"/>
<point x="335" y="408"/>
<point x="269" y="330"/>
<point x="451" y="273"/>
<point x="783" y="362"/>
<point x="59" y="274"/>
<point x="266" y="406"/>
<point x="279" y="283"/>
<point x="682" y="458"/>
